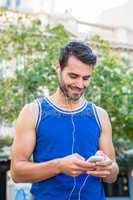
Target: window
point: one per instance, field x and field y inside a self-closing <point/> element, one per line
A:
<point x="7" y="3"/>
<point x="18" y="3"/>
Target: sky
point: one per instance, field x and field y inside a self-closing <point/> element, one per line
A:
<point x="86" y="10"/>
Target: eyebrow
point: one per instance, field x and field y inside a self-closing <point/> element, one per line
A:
<point x="71" y="73"/>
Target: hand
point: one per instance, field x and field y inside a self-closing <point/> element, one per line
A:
<point x="103" y="168"/>
<point x="74" y="165"/>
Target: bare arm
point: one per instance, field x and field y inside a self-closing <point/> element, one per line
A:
<point x="108" y="169"/>
<point x="24" y="170"/>
<point x="106" y="145"/>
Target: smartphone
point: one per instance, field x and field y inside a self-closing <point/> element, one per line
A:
<point x="95" y="158"/>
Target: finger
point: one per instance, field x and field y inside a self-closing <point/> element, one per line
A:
<point x="99" y="173"/>
<point x="83" y="168"/>
<point x="99" y="153"/>
<point x="104" y="163"/>
<point x="86" y="164"/>
<point x="77" y="169"/>
<point x="101" y="168"/>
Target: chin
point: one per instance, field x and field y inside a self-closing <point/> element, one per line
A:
<point x="72" y="98"/>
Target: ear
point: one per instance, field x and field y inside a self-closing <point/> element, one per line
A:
<point x="58" y="68"/>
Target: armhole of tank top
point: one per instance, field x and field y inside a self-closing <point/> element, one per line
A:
<point x="96" y="116"/>
<point x="39" y="114"/>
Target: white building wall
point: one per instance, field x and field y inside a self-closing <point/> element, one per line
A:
<point x="120" y="18"/>
<point x="32" y="5"/>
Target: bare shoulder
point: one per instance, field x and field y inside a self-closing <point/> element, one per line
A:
<point x="102" y="113"/>
<point x="25" y="137"/>
<point x="29" y="113"/>
<point x="105" y="142"/>
<point x="30" y="107"/>
<point x="104" y="119"/>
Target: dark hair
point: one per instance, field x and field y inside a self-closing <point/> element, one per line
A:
<point x="78" y="49"/>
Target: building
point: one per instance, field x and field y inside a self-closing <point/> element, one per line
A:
<point x="119" y="18"/>
<point x="114" y="24"/>
<point x="10" y="3"/>
<point x="29" y="5"/>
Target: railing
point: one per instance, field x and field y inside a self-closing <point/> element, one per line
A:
<point x="122" y="189"/>
<point x="4" y="167"/>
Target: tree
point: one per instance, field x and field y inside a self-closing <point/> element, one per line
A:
<point x="112" y="88"/>
<point x="35" y="49"/>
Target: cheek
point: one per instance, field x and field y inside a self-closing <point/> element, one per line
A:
<point x="87" y="84"/>
<point x="69" y="81"/>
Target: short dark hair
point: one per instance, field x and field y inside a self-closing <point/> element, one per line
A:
<point x="78" y="49"/>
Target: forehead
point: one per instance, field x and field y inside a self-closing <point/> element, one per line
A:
<point x="77" y="67"/>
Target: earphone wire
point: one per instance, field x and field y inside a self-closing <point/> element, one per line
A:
<point x="72" y="150"/>
<point x="73" y="142"/>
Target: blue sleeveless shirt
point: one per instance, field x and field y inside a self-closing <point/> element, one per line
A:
<point x="60" y="133"/>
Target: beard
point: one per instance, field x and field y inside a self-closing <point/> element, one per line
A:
<point x="68" y="91"/>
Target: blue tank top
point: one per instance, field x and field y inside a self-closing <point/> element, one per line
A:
<point x="60" y="133"/>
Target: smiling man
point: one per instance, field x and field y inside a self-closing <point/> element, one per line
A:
<point x="74" y="81"/>
<point x="62" y="131"/>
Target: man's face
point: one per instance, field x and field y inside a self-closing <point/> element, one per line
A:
<point x="74" y="78"/>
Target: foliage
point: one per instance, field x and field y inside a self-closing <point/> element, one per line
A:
<point x="35" y="51"/>
<point x="5" y="148"/>
<point x="112" y="88"/>
<point x="124" y="153"/>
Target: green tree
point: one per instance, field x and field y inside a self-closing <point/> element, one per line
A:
<point x="112" y="88"/>
<point x="35" y="50"/>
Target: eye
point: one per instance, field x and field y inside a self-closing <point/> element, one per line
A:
<point x="72" y="76"/>
<point x="86" y="78"/>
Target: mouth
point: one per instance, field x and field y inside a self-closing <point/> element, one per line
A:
<point x="76" y="91"/>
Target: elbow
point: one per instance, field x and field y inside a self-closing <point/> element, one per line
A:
<point x="15" y="178"/>
<point x="15" y="174"/>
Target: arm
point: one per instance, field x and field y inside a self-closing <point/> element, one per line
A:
<point x="108" y="169"/>
<point x="24" y="170"/>
<point x="106" y="145"/>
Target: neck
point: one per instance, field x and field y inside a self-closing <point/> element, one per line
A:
<point x="64" y="101"/>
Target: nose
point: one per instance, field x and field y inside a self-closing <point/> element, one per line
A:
<point x="80" y="83"/>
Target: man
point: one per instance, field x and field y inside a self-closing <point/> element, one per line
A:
<point x="62" y="131"/>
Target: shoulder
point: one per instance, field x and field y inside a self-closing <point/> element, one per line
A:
<point x="29" y="113"/>
<point x="103" y="116"/>
<point x="102" y="112"/>
<point x="30" y="108"/>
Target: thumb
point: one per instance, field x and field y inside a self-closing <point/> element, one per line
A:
<point x="79" y="156"/>
<point x="100" y="153"/>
